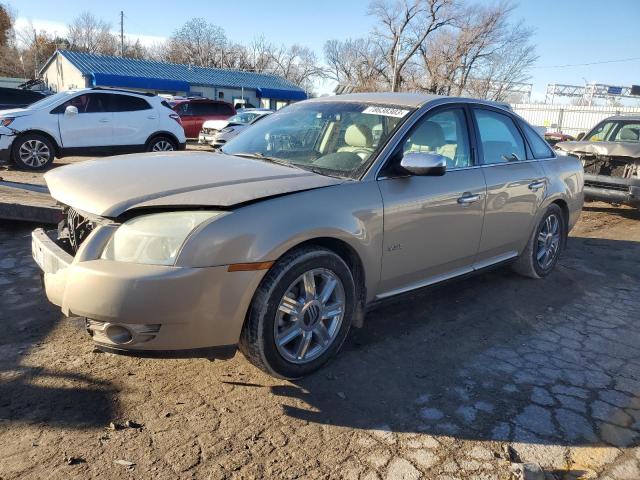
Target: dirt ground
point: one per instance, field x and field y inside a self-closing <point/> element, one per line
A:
<point x="461" y="381"/>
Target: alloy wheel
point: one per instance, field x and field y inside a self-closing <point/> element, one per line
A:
<point x="309" y="316"/>
<point x="162" y="146"/>
<point x="548" y="244"/>
<point x="34" y="153"/>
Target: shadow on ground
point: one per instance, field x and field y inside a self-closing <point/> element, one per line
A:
<point x="497" y="357"/>
<point x="27" y="393"/>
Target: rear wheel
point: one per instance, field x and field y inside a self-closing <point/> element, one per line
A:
<point x="161" y="144"/>
<point x="32" y="152"/>
<point x="545" y="245"/>
<point x="300" y="314"/>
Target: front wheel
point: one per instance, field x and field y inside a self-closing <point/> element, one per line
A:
<point x="32" y="152"/>
<point x="544" y="246"/>
<point x="161" y="144"/>
<point x="300" y="314"/>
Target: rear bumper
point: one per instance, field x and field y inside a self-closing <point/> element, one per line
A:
<point x="612" y="189"/>
<point x="141" y="308"/>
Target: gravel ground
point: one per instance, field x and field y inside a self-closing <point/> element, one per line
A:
<point x="461" y="381"/>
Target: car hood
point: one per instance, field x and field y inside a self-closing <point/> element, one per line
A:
<point x="110" y="186"/>
<point x="217" y="124"/>
<point x="15" y="112"/>
<point x="606" y="149"/>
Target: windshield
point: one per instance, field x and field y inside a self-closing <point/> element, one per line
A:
<point x="612" y="131"/>
<point x="51" y="100"/>
<point x="332" y="138"/>
<point x="246" y="117"/>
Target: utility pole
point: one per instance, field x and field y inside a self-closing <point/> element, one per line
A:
<point x="121" y="33"/>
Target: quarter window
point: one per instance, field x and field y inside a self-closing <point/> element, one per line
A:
<point x="500" y="138"/>
<point x="444" y="133"/>
<point x="539" y="147"/>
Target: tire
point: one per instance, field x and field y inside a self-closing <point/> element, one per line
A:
<point x="529" y="264"/>
<point x="32" y="152"/>
<point x="270" y="316"/>
<point x="161" y="143"/>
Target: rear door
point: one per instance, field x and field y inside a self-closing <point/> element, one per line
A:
<point x="189" y="121"/>
<point x="432" y="224"/>
<point x="515" y="181"/>
<point x="91" y="127"/>
<point x="134" y="119"/>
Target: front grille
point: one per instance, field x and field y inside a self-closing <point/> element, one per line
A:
<point x="73" y="230"/>
<point x="610" y="167"/>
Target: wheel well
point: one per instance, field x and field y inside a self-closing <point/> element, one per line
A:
<point x="353" y="261"/>
<point x="163" y="134"/>
<point x="565" y="213"/>
<point x="53" y="141"/>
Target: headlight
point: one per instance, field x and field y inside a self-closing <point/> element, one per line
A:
<point x="153" y="239"/>
<point x="5" y="122"/>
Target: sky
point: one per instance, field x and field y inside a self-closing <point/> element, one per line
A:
<point x="567" y="33"/>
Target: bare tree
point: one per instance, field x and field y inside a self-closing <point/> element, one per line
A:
<point x="297" y="64"/>
<point x="357" y="63"/>
<point x="92" y="35"/>
<point x="198" y="42"/>
<point x="404" y="25"/>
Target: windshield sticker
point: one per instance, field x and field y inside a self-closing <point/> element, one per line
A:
<point x="386" y="111"/>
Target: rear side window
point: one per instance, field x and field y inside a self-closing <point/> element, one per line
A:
<point x="539" y="147"/>
<point x="128" y="103"/>
<point x="204" y="108"/>
<point x="501" y="140"/>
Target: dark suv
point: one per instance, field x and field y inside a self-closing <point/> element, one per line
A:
<point x="195" y="111"/>
<point x="18" y="98"/>
<point x="610" y="154"/>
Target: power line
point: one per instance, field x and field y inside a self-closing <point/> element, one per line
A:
<point x="632" y="59"/>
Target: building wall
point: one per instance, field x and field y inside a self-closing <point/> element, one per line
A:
<point x="62" y="75"/>
<point x="568" y="119"/>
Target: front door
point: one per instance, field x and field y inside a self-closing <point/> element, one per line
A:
<point x="91" y="127"/>
<point x="432" y="224"/>
<point x="515" y="186"/>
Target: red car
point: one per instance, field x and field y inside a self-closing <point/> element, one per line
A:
<point x="195" y="111"/>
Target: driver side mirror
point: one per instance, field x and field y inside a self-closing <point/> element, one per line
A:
<point x="580" y="136"/>
<point x="424" y="163"/>
<point x="70" y="111"/>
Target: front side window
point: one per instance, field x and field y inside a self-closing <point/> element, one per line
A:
<point x="600" y="133"/>
<point x="500" y="138"/>
<point x="87" y="103"/>
<point x="444" y="133"/>
<point x="334" y="138"/>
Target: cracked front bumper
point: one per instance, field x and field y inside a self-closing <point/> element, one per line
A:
<point x="162" y="308"/>
<point x="5" y="147"/>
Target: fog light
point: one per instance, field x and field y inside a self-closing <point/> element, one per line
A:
<point x="118" y="334"/>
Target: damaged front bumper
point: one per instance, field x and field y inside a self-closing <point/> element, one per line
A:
<point x="146" y="309"/>
<point x="612" y="189"/>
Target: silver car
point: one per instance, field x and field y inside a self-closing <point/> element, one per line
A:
<point x="278" y="243"/>
<point x="234" y="129"/>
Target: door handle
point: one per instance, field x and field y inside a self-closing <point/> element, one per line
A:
<point x="104" y="120"/>
<point x="151" y="117"/>
<point x="535" y="186"/>
<point x="468" y="199"/>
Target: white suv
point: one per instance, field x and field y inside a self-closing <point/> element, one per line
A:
<point x="90" y="121"/>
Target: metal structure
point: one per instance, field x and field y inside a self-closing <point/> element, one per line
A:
<point x="569" y="119"/>
<point x="587" y="92"/>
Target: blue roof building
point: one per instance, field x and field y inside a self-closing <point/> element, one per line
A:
<point x="67" y="69"/>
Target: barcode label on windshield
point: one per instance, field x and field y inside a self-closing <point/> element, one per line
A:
<point x="386" y="111"/>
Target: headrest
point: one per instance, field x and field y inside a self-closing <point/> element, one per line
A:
<point x="358" y="135"/>
<point x="631" y="134"/>
<point x="428" y="134"/>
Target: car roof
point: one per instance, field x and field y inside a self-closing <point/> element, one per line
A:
<point x="403" y="99"/>
<point x="197" y="100"/>
<point x="633" y="118"/>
